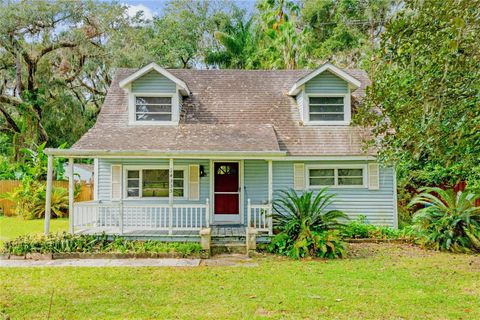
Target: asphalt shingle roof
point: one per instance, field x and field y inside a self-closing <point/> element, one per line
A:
<point x="228" y="110"/>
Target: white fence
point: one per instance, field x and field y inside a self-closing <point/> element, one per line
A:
<point x="129" y="216"/>
<point x="260" y="217"/>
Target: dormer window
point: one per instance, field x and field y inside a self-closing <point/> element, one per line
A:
<point x="323" y="96"/>
<point x="154" y="96"/>
<point x="326" y="108"/>
<point x="153" y="108"/>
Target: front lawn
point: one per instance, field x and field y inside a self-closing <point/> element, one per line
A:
<point x="13" y="227"/>
<point x="379" y="281"/>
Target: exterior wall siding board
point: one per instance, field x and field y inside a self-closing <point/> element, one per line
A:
<point x="376" y="205"/>
<point x="104" y="178"/>
<point x="300" y="99"/>
<point x="326" y="82"/>
<point x="255" y="183"/>
<point x="154" y="82"/>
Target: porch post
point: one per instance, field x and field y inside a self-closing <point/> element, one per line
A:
<point x="270" y="182"/>
<point x="207" y="213"/>
<point x="48" y="196"/>
<point x="71" y="189"/>
<point x="170" y="196"/>
<point x="270" y="196"/>
<point x="249" y="214"/>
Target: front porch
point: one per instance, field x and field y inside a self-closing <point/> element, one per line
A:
<point x="171" y="199"/>
<point x="169" y="222"/>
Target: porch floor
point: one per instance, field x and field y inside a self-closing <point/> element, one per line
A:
<point x="217" y="231"/>
<point x="136" y="232"/>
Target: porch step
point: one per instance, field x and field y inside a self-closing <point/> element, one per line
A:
<point x="217" y="249"/>
<point x="228" y="239"/>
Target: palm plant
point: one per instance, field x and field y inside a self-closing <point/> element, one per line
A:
<point x="304" y="219"/>
<point x="449" y="220"/>
<point x="294" y="213"/>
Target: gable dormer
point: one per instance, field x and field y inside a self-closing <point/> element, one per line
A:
<point x="154" y="96"/>
<point x="323" y="96"/>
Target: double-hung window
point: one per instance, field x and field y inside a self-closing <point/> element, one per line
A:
<point x="336" y="177"/>
<point x="153" y="108"/>
<point x="326" y="108"/>
<point x="153" y="183"/>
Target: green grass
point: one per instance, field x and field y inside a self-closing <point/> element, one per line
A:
<point x="378" y="282"/>
<point x="12" y="227"/>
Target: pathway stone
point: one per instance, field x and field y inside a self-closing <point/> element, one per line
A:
<point x="229" y="260"/>
<point x="102" y="263"/>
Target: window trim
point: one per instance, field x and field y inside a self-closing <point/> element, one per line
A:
<point x="336" y="167"/>
<point x="132" y="120"/>
<point x="159" y="167"/>
<point x="347" y="109"/>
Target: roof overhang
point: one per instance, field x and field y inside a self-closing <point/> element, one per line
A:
<point x="352" y="82"/>
<point x="183" y="88"/>
<point x="83" y="153"/>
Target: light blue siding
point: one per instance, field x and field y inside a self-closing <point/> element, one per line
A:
<point x="300" y="98"/>
<point x="104" y="178"/>
<point x="377" y="205"/>
<point x="153" y="82"/>
<point x="326" y="82"/>
<point x="255" y="183"/>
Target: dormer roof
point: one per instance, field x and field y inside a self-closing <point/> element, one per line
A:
<point x="353" y="82"/>
<point x="182" y="86"/>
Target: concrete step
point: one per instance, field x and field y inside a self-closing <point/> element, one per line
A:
<point x="228" y="248"/>
<point x="229" y="239"/>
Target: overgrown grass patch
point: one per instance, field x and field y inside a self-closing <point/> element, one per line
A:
<point x="13" y="227"/>
<point x="382" y="281"/>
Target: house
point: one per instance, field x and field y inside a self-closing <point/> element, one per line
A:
<point x="176" y="151"/>
<point x="81" y="172"/>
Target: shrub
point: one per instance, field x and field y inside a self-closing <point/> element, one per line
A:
<point x="360" y="228"/>
<point x="307" y="227"/>
<point x="29" y="199"/>
<point x="449" y="221"/>
<point x="323" y="244"/>
<point x="67" y="243"/>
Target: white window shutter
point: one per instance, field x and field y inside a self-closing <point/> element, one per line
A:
<point x="373" y="176"/>
<point x="116" y="182"/>
<point x="298" y="176"/>
<point x="194" y="182"/>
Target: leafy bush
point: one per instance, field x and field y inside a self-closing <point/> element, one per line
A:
<point x="29" y="199"/>
<point x="323" y="244"/>
<point x="307" y="227"/>
<point x="449" y="221"/>
<point x="361" y="229"/>
<point x="67" y="243"/>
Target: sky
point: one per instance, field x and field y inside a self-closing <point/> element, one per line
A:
<point x="151" y="8"/>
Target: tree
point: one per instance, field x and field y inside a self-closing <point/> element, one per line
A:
<point x="236" y="44"/>
<point x="53" y="66"/>
<point x="183" y="35"/>
<point x="424" y="104"/>
<point x="280" y="41"/>
<point x="342" y="30"/>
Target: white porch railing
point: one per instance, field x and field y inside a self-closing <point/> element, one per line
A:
<point x="259" y="216"/>
<point x="120" y="216"/>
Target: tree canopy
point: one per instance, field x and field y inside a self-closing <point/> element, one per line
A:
<point x="57" y="60"/>
<point x="427" y="89"/>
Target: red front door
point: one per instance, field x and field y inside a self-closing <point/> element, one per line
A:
<point x="226" y="188"/>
